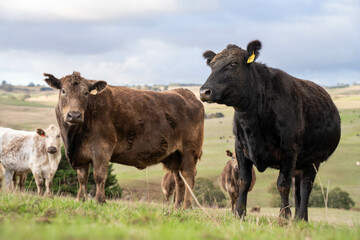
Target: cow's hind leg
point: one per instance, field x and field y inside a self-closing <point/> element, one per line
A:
<point x="297" y="193"/>
<point x="306" y="185"/>
<point x="233" y="202"/>
<point x="22" y="181"/>
<point x="9" y="180"/>
<point x="83" y="176"/>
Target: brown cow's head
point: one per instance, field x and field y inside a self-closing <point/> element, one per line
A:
<point x="74" y="95"/>
<point x="230" y="79"/>
<point x="52" y="138"/>
<point x="234" y="164"/>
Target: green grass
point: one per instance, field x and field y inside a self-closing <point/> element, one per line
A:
<point x="25" y="216"/>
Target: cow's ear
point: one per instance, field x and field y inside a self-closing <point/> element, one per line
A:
<point x="209" y="55"/>
<point x="229" y="153"/>
<point x="253" y="50"/>
<point x="97" y="87"/>
<point x="40" y="132"/>
<point x="52" y="81"/>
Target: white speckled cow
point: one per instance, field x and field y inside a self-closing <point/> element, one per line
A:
<point x="22" y="151"/>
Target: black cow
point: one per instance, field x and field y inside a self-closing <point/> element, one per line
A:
<point x="280" y="122"/>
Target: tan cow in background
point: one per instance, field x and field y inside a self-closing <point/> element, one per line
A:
<point x="229" y="179"/>
<point x="168" y="185"/>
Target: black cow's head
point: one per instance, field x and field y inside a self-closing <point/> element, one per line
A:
<point x="230" y="77"/>
<point x="74" y="95"/>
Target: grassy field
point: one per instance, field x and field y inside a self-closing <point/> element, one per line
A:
<point x="25" y="216"/>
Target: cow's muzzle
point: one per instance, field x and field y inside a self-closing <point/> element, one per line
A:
<point x="206" y="95"/>
<point x="74" y="117"/>
<point x="52" y="150"/>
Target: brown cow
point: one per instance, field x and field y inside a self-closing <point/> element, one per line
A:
<point x="168" y="185"/>
<point x="102" y="124"/>
<point x="229" y="179"/>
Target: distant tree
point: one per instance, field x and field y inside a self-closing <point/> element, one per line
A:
<point x="31" y="84"/>
<point x="6" y="86"/>
<point x="46" y="89"/>
<point x="208" y="194"/>
<point x="214" y="115"/>
<point x="337" y="198"/>
<point x="340" y="199"/>
<point x="65" y="181"/>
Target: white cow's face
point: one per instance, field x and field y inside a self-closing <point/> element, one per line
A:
<point x="52" y="138"/>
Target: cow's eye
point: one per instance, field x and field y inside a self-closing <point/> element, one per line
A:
<point x="63" y="91"/>
<point x="86" y="93"/>
<point x="58" y="136"/>
<point x="233" y="64"/>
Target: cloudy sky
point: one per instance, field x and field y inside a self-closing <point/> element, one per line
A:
<point x="162" y="41"/>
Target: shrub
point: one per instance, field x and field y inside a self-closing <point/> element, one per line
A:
<point x="208" y="194"/>
<point x="340" y="199"/>
<point x="337" y="198"/>
<point x="65" y="181"/>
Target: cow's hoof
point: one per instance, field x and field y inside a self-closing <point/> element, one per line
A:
<point x="177" y="205"/>
<point x="285" y="213"/>
<point x="241" y="214"/>
<point x="100" y="199"/>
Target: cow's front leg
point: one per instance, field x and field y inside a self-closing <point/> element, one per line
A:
<point x="287" y="167"/>
<point x="179" y="190"/>
<point x="48" y="183"/>
<point x="39" y="183"/>
<point x="188" y="171"/>
<point x="100" y="174"/>
<point x="244" y="181"/>
<point x="83" y="176"/>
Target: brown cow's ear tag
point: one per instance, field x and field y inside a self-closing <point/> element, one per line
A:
<point x="251" y="58"/>
<point x="93" y="92"/>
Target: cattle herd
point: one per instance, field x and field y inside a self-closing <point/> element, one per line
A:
<point x="280" y="122"/>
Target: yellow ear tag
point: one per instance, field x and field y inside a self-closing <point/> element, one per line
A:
<point x="251" y="58"/>
<point x="93" y="92"/>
